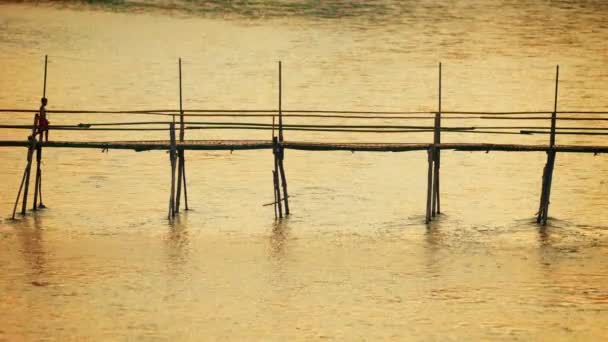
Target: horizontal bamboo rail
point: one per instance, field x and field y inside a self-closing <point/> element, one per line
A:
<point x="294" y="111"/>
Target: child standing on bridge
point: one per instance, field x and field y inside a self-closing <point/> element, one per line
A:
<point x="43" y="124"/>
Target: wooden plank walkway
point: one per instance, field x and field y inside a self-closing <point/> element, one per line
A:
<point x="233" y="145"/>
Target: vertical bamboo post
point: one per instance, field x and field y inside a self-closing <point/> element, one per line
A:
<point x="438" y="150"/>
<point x="182" y="134"/>
<point x="554" y="114"/>
<point x="551" y="164"/>
<point x="180" y="177"/>
<point x="275" y="173"/>
<point x="28" y="167"/>
<point x="543" y="212"/>
<point x="180" y="152"/>
<point x="551" y="153"/>
<point x="46" y="59"/>
<point x="172" y="157"/>
<point x="436" y="141"/>
<point x="40" y="205"/>
<point x="19" y="193"/>
<point x="38" y="178"/>
<point x="181" y="110"/>
<point x="274" y="193"/>
<point x="38" y="173"/>
<point x="185" y="187"/>
<point x="280" y="103"/>
<point x="283" y="180"/>
<point x="430" y="153"/>
<point x="280" y="155"/>
<point x="541" y="205"/>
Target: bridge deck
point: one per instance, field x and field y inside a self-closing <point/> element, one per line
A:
<point x="306" y="146"/>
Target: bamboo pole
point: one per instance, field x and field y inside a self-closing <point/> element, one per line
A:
<point x="437" y="140"/>
<point x="280" y="153"/>
<point x="274" y="192"/>
<point x="237" y="125"/>
<point x="234" y="145"/>
<point x="38" y="180"/>
<point x="277" y="190"/>
<point x="274" y="189"/>
<point x="278" y="193"/>
<point x="38" y="173"/>
<point x="541" y="205"/>
<point x="172" y="157"/>
<point x="28" y="168"/>
<point x="551" y="163"/>
<point x="185" y="187"/>
<point x="269" y="112"/>
<point x="46" y="59"/>
<point x="180" y="172"/>
<point x="543" y="212"/>
<point x="19" y="193"/>
<point x="284" y="181"/>
<point x="180" y="152"/>
<point x="280" y="104"/>
<point x="554" y="114"/>
<point x="181" y="109"/>
<point x="41" y="205"/>
<point x="429" y="185"/>
<point x="294" y="113"/>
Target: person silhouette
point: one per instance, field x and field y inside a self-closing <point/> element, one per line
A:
<point x="43" y="123"/>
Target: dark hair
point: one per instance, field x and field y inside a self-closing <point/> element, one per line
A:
<point x="43" y="100"/>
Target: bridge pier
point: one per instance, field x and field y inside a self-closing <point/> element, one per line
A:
<point x="278" y="151"/>
<point x="429" y="192"/>
<point x="545" y="194"/>
<point x="433" y="202"/>
<point x="172" y="161"/>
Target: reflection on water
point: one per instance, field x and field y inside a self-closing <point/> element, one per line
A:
<point x="178" y="243"/>
<point x="279" y="240"/>
<point x="32" y="247"/>
<point x="355" y="259"/>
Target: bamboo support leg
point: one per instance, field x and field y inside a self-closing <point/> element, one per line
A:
<point x="173" y="167"/>
<point x="543" y="211"/>
<point x="551" y="164"/>
<point x="541" y="205"/>
<point x="435" y="197"/>
<point x="274" y="192"/>
<point x="172" y="195"/>
<point x="184" y="179"/>
<point x="180" y="170"/>
<point x="284" y="182"/>
<point x="28" y="170"/>
<point x="172" y="157"/>
<point x="277" y="189"/>
<point x="41" y="205"/>
<point x="429" y="185"/>
<point x="437" y="187"/>
<point x="19" y="193"/>
<point x="30" y="153"/>
<point x="38" y="177"/>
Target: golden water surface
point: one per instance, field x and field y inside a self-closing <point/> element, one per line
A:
<point x="355" y="260"/>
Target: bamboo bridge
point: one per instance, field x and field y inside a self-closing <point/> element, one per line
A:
<point x="177" y="145"/>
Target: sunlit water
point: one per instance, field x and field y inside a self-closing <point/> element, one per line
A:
<point x="354" y="260"/>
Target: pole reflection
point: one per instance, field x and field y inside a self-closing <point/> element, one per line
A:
<point x="31" y="235"/>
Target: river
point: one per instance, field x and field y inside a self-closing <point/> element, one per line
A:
<point x="355" y="260"/>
